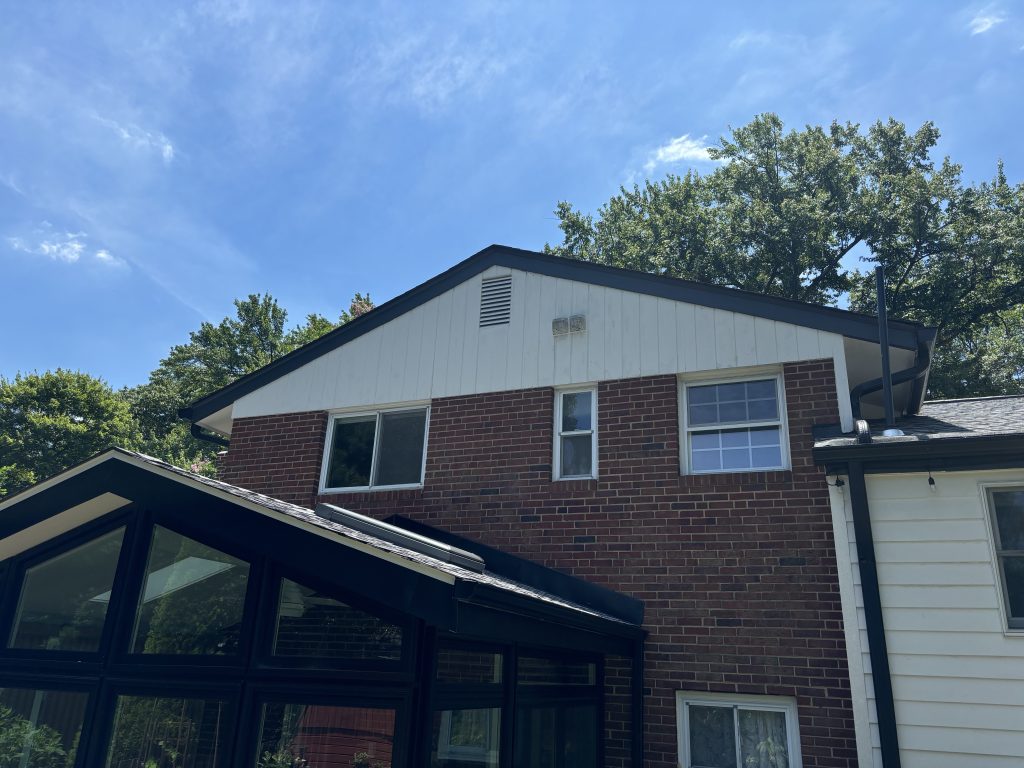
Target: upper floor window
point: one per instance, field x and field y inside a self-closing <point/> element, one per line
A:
<point x="730" y="731"/>
<point x="1006" y="506"/>
<point x="733" y="426"/>
<point x="575" y="434"/>
<point x="382" y="449"/>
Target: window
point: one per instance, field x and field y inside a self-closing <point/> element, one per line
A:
<point x="376" y="450"/>
<point x="64" y="599"/>
<point x="151" y="731"/>
<point x="466" y="728"/>
<point x="575" y="434"/>
<point x="1006" y="506"/>
<point x="733" y="426"/>
<point x="40" y="727"/>
<point x="557" y="713"/>
<point x="324" y="736"/>
<point x="728" y="731"/>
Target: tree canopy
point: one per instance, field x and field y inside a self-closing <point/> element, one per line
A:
<point x="788" y="213"/>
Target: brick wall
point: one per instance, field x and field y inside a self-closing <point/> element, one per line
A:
<point x="737" y="570"/>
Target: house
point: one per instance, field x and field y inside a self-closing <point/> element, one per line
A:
<point x="930" y="537"/>
<point x="588" y="516"/>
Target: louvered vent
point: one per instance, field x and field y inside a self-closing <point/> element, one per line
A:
<point x="495" y="301"/>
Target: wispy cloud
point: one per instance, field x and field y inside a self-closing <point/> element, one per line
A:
<point x="139" y="138"/>
<point x="65" y="247"/>
<point x="682" y="148"/>
<point x="985" y="20"/>
<point x="11" y="183"/>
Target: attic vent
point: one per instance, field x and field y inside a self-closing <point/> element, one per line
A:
<point x="495" y="301"/>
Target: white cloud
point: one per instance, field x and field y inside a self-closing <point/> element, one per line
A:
<point x="679" y="149"/>
<point x="139" y="138"/>
<point x="984" y="20"/>
<point x="105" y="257"/>
<point x="65" y="247"/>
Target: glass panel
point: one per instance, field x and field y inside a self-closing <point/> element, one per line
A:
<point x="40" y="729"/>
<point x="314" y="625"/>
<point x="351" y="452"/>
<point x="758" y="448"/>
<point x="762" y="410"/>
<point x="466" y="738"/>
<point x="193" y="598"/>
<point x="1013" y="577"/>
<point x="712" y="737"/>
<point x="706" y="461"/>
<point x="761" y="389"/>
<point x="168" y="733"/>
<point x="577" y="456"/>
<point x="556" y="736"/>
<point x="576" y="411"/>
<point x="763" y="742"/>
<point x="732" y="412"/>
<point x="400" y="455"/>
<point x="703" y="414"/>
<point x="731" y="403"/>
<point x="542" y="671"/>
<point x="455" y="665"/>
<point x="1009" y="506"/>
<point x="64" y="600"/>
<point x="321" y="736"/>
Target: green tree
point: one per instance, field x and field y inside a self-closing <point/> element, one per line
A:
<point x="53" y="420"/>
<point x="783" y="209"/>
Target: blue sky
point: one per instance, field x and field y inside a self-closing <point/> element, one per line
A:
<point x="158" y="160"/>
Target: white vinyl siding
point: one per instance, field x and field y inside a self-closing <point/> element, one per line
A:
<point x="957" y="670"/>
<point x="439" y="350"/>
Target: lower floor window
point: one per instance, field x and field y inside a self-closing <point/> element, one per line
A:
<point x="313" y="735"/>
<point x="40" y="727"/>
<point x="727" y="731"/>
<point x="158" y="732"/>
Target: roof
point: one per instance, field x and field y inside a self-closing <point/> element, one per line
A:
<point x="850" y="324"/>
<point x="988" y="428"/>
<point x="450" y="572"/>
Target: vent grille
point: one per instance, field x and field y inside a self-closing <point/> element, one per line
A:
<point x="495" y="301"/>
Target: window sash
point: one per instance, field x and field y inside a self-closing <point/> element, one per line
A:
<point x="735" y="708"/>
<point x="378" y="417"/>
<point x="561" y="435"/>
<point x="1014" y="622"/>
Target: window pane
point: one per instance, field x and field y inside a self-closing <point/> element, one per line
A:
<point x="556" y="736"/>
<point x="167" y="733"/>
<point x="1013" y="575"/>
<point x="763" y="742"/>
<point x="712" y="737"/>
<point x="466" y="738"/>
<point x="314" y="625"/>
<point x="730" y="403"/>
<point x="703" y="414"/>
<point x="64" y="600"/>
<point x="728" y="412"/>
<point x="766" y="457"/>
<point x="576" y="411"/>
<point x="706" y="461"/>
<point x="400" y="456"/>
<point x="193" y="598"/>
<point x="1009" y="506"/>
<point x="40" y="729"/>
<point x="762" y="410"/>
<point x="351" y="452"/>
<point x="577" y="456"/>
<point x="542" y="671"/>
<point x="458" y="665"/>
<point x="321" y="736"/>
<point x="761" y="389"/>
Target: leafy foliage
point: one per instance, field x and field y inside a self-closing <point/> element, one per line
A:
<point x="23" y="745"/>
<point x="783" y="210"/>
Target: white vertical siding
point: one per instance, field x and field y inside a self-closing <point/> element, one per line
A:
<point x="438" y="348"/>
<point x="957" y="675"/>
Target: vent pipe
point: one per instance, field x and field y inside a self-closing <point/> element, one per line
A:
<point x="883" y="342"/>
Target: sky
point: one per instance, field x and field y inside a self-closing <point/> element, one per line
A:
<point x="158" y="160"/>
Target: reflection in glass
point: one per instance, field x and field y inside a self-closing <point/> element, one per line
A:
<point x="64" y="600"/>
<point x="458" y="665"/>
<point x="400" y="453"/>
<point x="559" y="735"/>
<point x="321" y="736"/>
<point x="40" y="728"/>
<point x="193" y="598"/>
<point x="152" y="732"/>
<point x="712" y="736"/>
<point x="763" y="739"/>
<point x="466" y="738"/>
<point x="539" y="670"/>
<point x="351" y="452"/>
<point x="576" y="412"/>
<point x="314" y="625"/>
<point x="1009" y="506"/>
<point x="577" y="456"/>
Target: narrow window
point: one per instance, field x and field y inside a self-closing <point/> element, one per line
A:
<point x="576" y="434"/>
<point x="1007" y="509"/>
<point x="40" y="727"/>
<point x="384" y="449"/>
<point x="723" y="731"/>
<point x="152" y="731"/>
<point x="733" y="426"/>
<point x="466" y="728"/>
<point x="64" y="599"/>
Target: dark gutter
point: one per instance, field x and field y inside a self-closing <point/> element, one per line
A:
<point x="881" y="677"/>
<point x="851" y="324"/>
<point x="916" y="373"/>
<point x="201" y="434"/>
<point x="923" y="454"/>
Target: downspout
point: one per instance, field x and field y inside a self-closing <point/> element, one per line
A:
<point x="881" y="678"/>
<point x="915" y="373"/>
<point x="199" y="434"/>
<point x="637" y="705"/>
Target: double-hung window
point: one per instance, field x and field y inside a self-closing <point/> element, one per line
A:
<point x="575" y="434"/>
<point x="1006" y="506"/>
<point x="730" y="731"/>
<point x="381" y="449"/>
<point x="733" y="426"/>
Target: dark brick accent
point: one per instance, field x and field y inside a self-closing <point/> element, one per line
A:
<point x="737" y="571"/>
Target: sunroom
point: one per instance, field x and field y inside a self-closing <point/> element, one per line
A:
<point x="154" y="618"/>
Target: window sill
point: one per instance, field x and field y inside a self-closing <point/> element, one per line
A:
<point x="370" y="489"/>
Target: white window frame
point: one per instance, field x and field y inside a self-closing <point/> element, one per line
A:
<point x="336" y="416"/>
<point x="987" y="489"/>
<point x="685" y="430"/>
<point x="733" y="701"/>
<point x="556" y="470"/>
